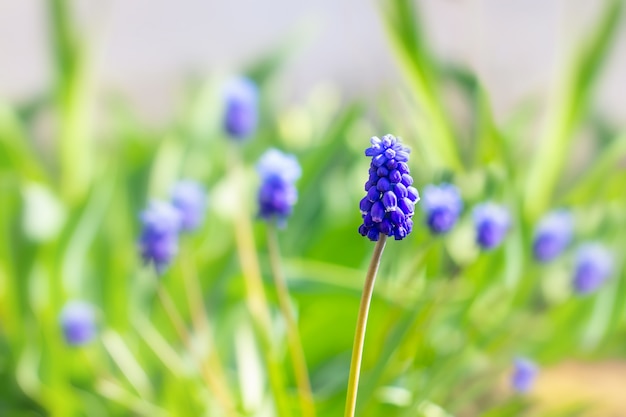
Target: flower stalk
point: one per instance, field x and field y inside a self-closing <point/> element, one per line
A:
<point x="294" y="341"/>
<point x="361" y="325"/>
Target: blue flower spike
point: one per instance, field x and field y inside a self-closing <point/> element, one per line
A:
<point x="78" y="323"/>
<point x="594" y="265"/>
<point x="442" y="205"/>
<point x="241" y="98"/>
<point x="553" y="235"/>
<point x="190" y="199"/>
<point x="389" y="203"/>
<point x="277" y="194"/>
<point x="524" y="375"/>
<point x="492" y="222"/>
<point x="158" y="243"/>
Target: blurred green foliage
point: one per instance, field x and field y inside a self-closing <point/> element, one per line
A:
<point x="445" y="321"/>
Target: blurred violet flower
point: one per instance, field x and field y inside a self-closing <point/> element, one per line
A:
<point x="277" y="193"/>
<point x="240" y="107"/>
<point x="158" y="242"/>
<point x="594" y="264"/>
<point x="524" y="374"/>
<point x="442" y="205"/>
<point x="189" y="198"/>
<point x="389" y="204"/>
<point x="492" y="223"/>
<point x="78" y="322"/>
<point x="552" y="235"/>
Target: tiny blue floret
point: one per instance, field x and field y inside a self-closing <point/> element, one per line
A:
<point x="492" y="223"/>
<point x="442" y="205"/>
<point x="189" y="198"/>
<point x="161" y="224"/>
<point x="552" y="235"/>
<point x="594" y="264"/>
<point x="524" y="375"/>
<point x="78" y="322"/>
<point x="240" y="107"/>
<point x="389" y="203"/>
<point x="277" y="194"/>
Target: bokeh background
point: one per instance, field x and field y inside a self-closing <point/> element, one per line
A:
<point x="104" y="105"/>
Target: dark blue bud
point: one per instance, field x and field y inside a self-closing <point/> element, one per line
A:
<point x="403" y="168"/>
<point x="400" y="190"/>
<point x="383" y="184"/>
<point x="390" y="153"/>
<point x="379" y="160"/>
<point x="390" y="201"/>
<point x="397" y="217"/>
<point x="407" y="180"/>
<point x="365" y="205"/>
<point x="395" y="176"/>
<point x="373" y="234"/>
<point x="373" y="194"/>
<point x="378" y="212"/>
<point x="382" y="172"/>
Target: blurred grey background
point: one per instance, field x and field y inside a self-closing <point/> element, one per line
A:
<point x="146" y="47"/>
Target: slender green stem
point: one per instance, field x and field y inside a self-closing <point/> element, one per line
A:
<point x="206" y="369"/>
<point x="361" y="325"/>
<point x="256" y="299"/>
<point x="293" y="334"/>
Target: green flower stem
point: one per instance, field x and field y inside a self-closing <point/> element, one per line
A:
<point x="361" y="325"/>
<point x="202" y="325"/>
<point x="255" y="294"/>
<point x="207" y="370"/>
<point x="293" y="334"/>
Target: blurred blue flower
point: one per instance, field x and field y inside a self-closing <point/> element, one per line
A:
<point x="594" y="264"/>
<point x="78" y="322"/>
<point x="158" y="242"/>
<point x="277" y="193"/>
<point x="524" y="374"/>
<point x="442" y="205"/>
<point x="389" y="204"/>
<point x="492" y="223"/>
<point x="240" y="107"/>
<point x="552" y="235"/>
<point x="189" y="198"/>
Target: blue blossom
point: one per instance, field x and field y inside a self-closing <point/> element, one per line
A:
<point x="524" y="374"/>
<point x="390" y="199"/>
<point x="78" y="322"/>
<point x="552" y="235"/>
<point x="492" y="223"/>
<point x="277" y="193"/>
<point x="594" y="264"/>
<point x="158" y="242"/>
<point x="189" y="198"/>
<point x="442" y="205"/>
<point x="240" y="107"/>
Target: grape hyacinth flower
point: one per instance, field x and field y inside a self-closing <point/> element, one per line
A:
<point x="277" y="194"/>
<point x="594" y="264"/>
<point x="387" y="210"/>
<point x="241" y="107"/>
<point x="552" y="235"/>
<point x="78" y="322"/>
<point x="189" y="198"/>
<point x="524" y="374"/>
<point x="389" y="204"/>
<point x="158" y="242"/>
<point x="492" y="223"/>
<point x="442" y="205"/>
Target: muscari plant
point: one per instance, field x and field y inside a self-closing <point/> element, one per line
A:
<point x="506" y="265"/>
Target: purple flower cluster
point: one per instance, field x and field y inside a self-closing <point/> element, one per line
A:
<point x="442" y="205"/>
<point x="552" y="235"/>
<point x="389" y="204"/>
<point x="277" y="193"/>
<point x="163" y="221"/>
<point x="594" y="264"/>
<point x="492" y="223"/>
<point x="524" y="374"/>
<point x="78" y="323"/>
<point x="240" y="107"/>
